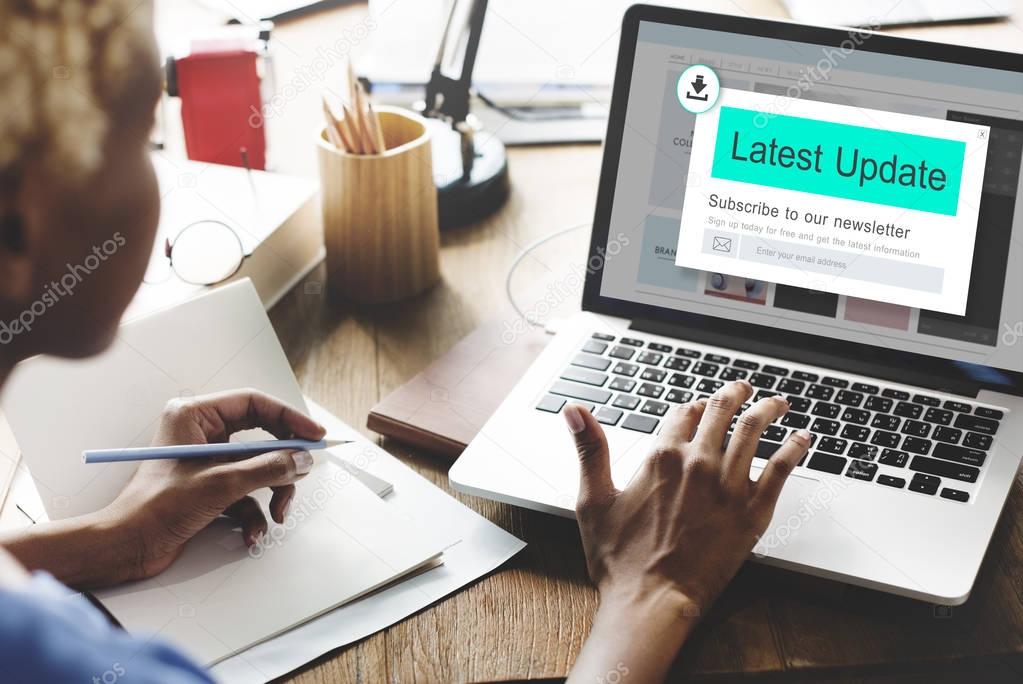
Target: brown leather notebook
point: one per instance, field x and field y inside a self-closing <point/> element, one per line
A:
<point x="443" y="407"/>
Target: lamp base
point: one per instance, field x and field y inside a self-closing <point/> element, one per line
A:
<point x="462" y="200"/>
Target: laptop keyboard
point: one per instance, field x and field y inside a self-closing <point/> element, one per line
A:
<point x="866" y="431"/>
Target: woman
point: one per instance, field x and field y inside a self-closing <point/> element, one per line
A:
<point x="80" y="80"/>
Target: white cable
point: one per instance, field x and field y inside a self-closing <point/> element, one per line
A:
<point x="518" y="259"/>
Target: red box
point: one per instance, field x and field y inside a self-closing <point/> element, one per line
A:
<point x="219" y="93"/>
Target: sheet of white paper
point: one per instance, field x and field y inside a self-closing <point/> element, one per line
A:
<point x="483" y="548"/>
<point x="339" y="541"/>
<point x="57" y="407"/>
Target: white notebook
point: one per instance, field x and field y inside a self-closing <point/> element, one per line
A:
<point x="340" y="542"/>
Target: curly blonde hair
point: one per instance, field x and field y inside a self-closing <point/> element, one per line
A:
<point x="61" y="64"/>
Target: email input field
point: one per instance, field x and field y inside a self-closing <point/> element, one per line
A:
<point x="815" y="262"/>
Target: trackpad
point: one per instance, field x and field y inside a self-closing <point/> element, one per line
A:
<point x="801" y="516"/>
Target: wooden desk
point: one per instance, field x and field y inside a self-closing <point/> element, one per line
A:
<point x="529" y="619"/>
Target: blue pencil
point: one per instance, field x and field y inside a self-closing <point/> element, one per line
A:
<point x="219" y="450"/>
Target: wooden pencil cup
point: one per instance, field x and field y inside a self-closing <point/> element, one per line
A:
<point x="380" y="214"/>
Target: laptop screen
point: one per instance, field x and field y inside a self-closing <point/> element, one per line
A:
<point x="828" y="189"/>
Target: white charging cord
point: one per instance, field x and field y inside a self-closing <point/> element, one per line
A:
<point x="518" y="260"/>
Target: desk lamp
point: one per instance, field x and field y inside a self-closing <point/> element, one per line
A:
<point x="470" y="168"/>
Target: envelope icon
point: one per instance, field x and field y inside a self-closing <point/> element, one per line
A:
<point x="722" y="244"/>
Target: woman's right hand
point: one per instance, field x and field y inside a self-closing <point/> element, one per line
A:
<point x="676" y="535"/>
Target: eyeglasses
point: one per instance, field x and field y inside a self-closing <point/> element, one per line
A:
<point x="204" y="253"/>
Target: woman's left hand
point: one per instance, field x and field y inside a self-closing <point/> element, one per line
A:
<point x="168" y="501"/>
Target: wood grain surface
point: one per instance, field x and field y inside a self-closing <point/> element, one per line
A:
<point x="529" y="619"/>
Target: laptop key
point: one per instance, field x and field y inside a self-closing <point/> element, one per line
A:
<point x="716" y="358"/>
<point x="790" y="386"/>
<point x="658" y="347"/>
<point x="834" y="382"/>
<point x="985" y="412"/>
<point x="865" y="388"/>
<point x="640" y="423"/>
<point x="856" y="416"/>
<point x="959" y="454"/>
<point x="898" y="395"/>
<point x="976" y="424"/>
<point x="890" y="481"/>
<point x="883" y="422"/>
<point x="867" y="452"/>
<point x="632" y="342"/>
<point x="622" y="385"/>
<point x="804" y="376"/>
<point x="925" y="484"/>
<point x="915" y="445"/>
<point x="648" y="389"/>
<point x="849" y="398"/>
<point x="939" y="416"/>
<point x="775" y="433"/>
<point x="707" y="369"/>
<point x="748" y="365"/>
<point x="947" y="434"/>
<point x="655" y="408"/>
<point x="622" y="353"/>
<point x="827" y="463"/>
<point x="688" y="353"/>
<point x="626" y="369"/>
<point x="764" y="394"/>
<point x="581" y="392"/>
<point x="677" y="363"/>
<point x="653" y="374"/>
<point x="763" y="380"/>
<point x="709" y="386"/>
<point x="916" y="428"/>
<point x="551" y="404"/>
<point x="880" y="404"/>
<point x="861" y="470"/>
<point x="626" y="401"/>
<point x="957" y="406"/>
<point x="591" y="361"/>
<point x="775" y="370"/>
<point x="926" y="400"/>
<point x="584" y="375"/>
<point x="894" y="458"/>
<point x="795" y="420"/>
<point x="904" y="409"/>
<point x="764" y="449"/>
<point x="678" y="396"/>
<point x="955" y="494"/>
<point x="603" y="336"/>
<point x="823" y="426"/>
<point x="856" y="433"/>
<point x="729" y="374"/>
<point x="799" y="404"/>
<point x="933" y="466"/>
<point x="885" y="439"/>
<point x="608" y="416"/>
<point x="832" y="445"/>
<point x="826" y="410"/>
<point x="595" y="347"/>
<point x="977" y="441"/>
<point x="820" y="392"/>
<point x="650" y="358"/>
<point x="679" y="380"/>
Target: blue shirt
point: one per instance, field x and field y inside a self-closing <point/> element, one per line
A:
<point x="48" y="633"/>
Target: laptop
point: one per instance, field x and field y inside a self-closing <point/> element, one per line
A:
<point x="836" y="217"/>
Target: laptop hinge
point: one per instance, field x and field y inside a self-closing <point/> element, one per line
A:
<point x="859" y="365"/>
